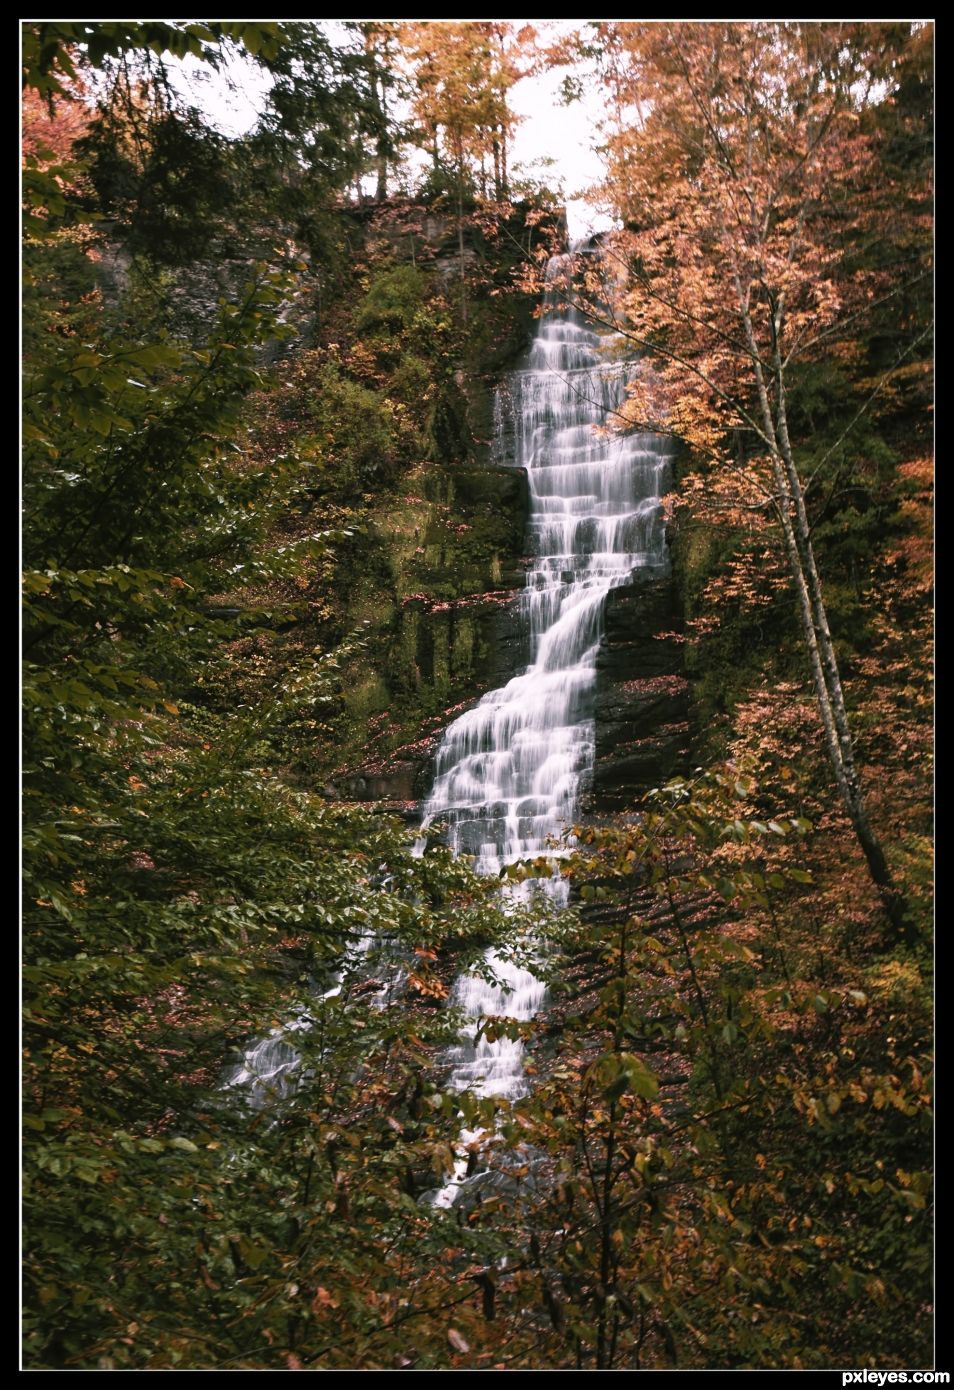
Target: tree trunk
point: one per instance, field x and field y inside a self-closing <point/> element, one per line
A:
<point x="379" y="96"/>
<point x="460" y="232"/>
<point x="460" y="249"/>
<point x="850" y="786"/>
<point x="814" y="621"/>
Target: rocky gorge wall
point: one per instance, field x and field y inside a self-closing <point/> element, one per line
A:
<point x="455" y="636"/>
<point x="433" y="574"/>
<point x="642" y="695"/>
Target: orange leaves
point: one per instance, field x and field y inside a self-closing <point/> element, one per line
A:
<point x="916" y="551"/>
<point x="463" y="71"/>
<point x="427" y="985"/>
<point x="424" y="982"/>
<point x="741" y="183"/>
<point x="50" y="135"/>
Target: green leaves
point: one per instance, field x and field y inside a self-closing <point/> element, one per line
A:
<point x="622" y="1073"/>
<point x="182" y="899"/>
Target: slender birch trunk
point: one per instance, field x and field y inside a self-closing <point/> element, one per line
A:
<point x="813" y="615"/>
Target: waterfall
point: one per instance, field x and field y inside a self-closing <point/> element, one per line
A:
<point x="510" y="772"/>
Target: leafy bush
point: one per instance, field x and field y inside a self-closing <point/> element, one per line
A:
<point x="392" y="300"/>
<point x="357" y="429"/>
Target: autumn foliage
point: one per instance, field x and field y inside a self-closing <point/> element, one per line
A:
<point x="724" y="1156"/>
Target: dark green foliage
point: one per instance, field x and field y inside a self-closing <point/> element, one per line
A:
<point x="357" y="436"/>
<point x="180" y="900"/>
<point x="393" y="300"/>
<point x="443" y="184"/>
<point x="170" y="192"/>
<point x="412" y="379"/>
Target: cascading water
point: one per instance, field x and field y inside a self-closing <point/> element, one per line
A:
<point x="510" y="771"/>
<point x="269" y="1069"/>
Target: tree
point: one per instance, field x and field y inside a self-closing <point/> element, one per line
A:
<point x="462" y="72"/>
<point x="380" y="40"/>
<point x="728" y="1140"/>
<point x="327" y="100"/>
<point x="748" y="173"/>
<point x="181" y="899"/>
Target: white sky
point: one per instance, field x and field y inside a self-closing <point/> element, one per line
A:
<point x="548" y="130"/>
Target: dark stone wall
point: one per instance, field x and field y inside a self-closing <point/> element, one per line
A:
<point x="496" y="647"/>
<point x="642" y="695"/>
<point x="458" y="632"/>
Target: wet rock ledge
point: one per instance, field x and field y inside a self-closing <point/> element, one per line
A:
<point x="642" y="695"/>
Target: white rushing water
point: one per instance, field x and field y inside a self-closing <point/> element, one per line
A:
<point x="510" y="771"/>
<point x="270" y="1067"/>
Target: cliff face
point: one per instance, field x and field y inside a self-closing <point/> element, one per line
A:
<point x="642" y="695"/>
<point x="456" y="636"/>
<point x="393" y="396"/>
